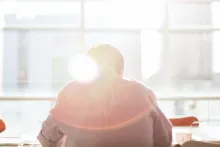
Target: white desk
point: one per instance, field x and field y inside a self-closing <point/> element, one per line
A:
<point x="15" y="141"/>
<point x="203" y="132"/>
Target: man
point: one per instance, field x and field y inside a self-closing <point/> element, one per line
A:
<point x="109" y="111"/>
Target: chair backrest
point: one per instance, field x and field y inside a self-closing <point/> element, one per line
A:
<point x="199" y="144"/>
<point x="184" y="121"/>
<point x="2" y="125"/>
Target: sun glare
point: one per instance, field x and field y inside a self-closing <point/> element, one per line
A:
<point x="82" y="68"/>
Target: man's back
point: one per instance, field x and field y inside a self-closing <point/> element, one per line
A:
<point x="119" y="113"/>
<point x="137" y="134"/>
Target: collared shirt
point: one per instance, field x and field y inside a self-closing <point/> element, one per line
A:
<point x="122" y="114"/>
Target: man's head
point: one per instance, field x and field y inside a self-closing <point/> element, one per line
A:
<point x="107" y="56"/>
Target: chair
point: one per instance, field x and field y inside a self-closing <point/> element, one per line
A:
<point x="199" y="144"/>
<point x="2" y="125"/>
<point x="184" y="121"/>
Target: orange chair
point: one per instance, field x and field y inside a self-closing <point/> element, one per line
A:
<point x="184" y="121"/>
<point x="2" y="125"/>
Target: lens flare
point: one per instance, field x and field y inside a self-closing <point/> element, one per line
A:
<point x="83" y="69"/>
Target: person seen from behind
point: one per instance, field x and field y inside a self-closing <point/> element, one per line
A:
<point x="108" y="111"/>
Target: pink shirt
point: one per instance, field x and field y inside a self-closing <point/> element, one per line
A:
<point x="119" y="113"/>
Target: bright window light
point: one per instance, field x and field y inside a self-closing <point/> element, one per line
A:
<point x="124" y="13"/>
<point x="216" y="52"/>
<point x="147" y="13"/>
<point x="25" y="9"/>
<point x="215" y="14"/>
<point x="82" y="68"/>
<point x="151" y="53"/>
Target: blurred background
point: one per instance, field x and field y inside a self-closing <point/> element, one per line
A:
<point x="172" y="46"/>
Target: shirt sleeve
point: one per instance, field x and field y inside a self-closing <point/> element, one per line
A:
<point x="162" y="129"/>
<point x="50" y="135"/>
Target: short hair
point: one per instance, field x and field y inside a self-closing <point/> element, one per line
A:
<point x="107" y="56"/>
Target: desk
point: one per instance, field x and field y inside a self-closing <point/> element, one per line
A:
<point x="15" y="141"/>
<point x="203" y="132"/>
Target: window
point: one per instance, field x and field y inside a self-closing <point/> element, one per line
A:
<point x="44" y="39"/>
<point x="123" y="14"/>
<point x="152" y="42"/>
<point x="191" y="49"/>
<point x="38" y="37"/>
<point x="33" y="46"/>
<point x="216" y="25"/>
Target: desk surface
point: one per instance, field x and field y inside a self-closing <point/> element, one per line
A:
<point x="14" y="141"/>
<point x="203" y="132"/>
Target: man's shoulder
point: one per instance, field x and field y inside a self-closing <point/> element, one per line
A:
<point x="142" y="90"/>
<point x="138" y="85"/>
<point x="71" y="86"/>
